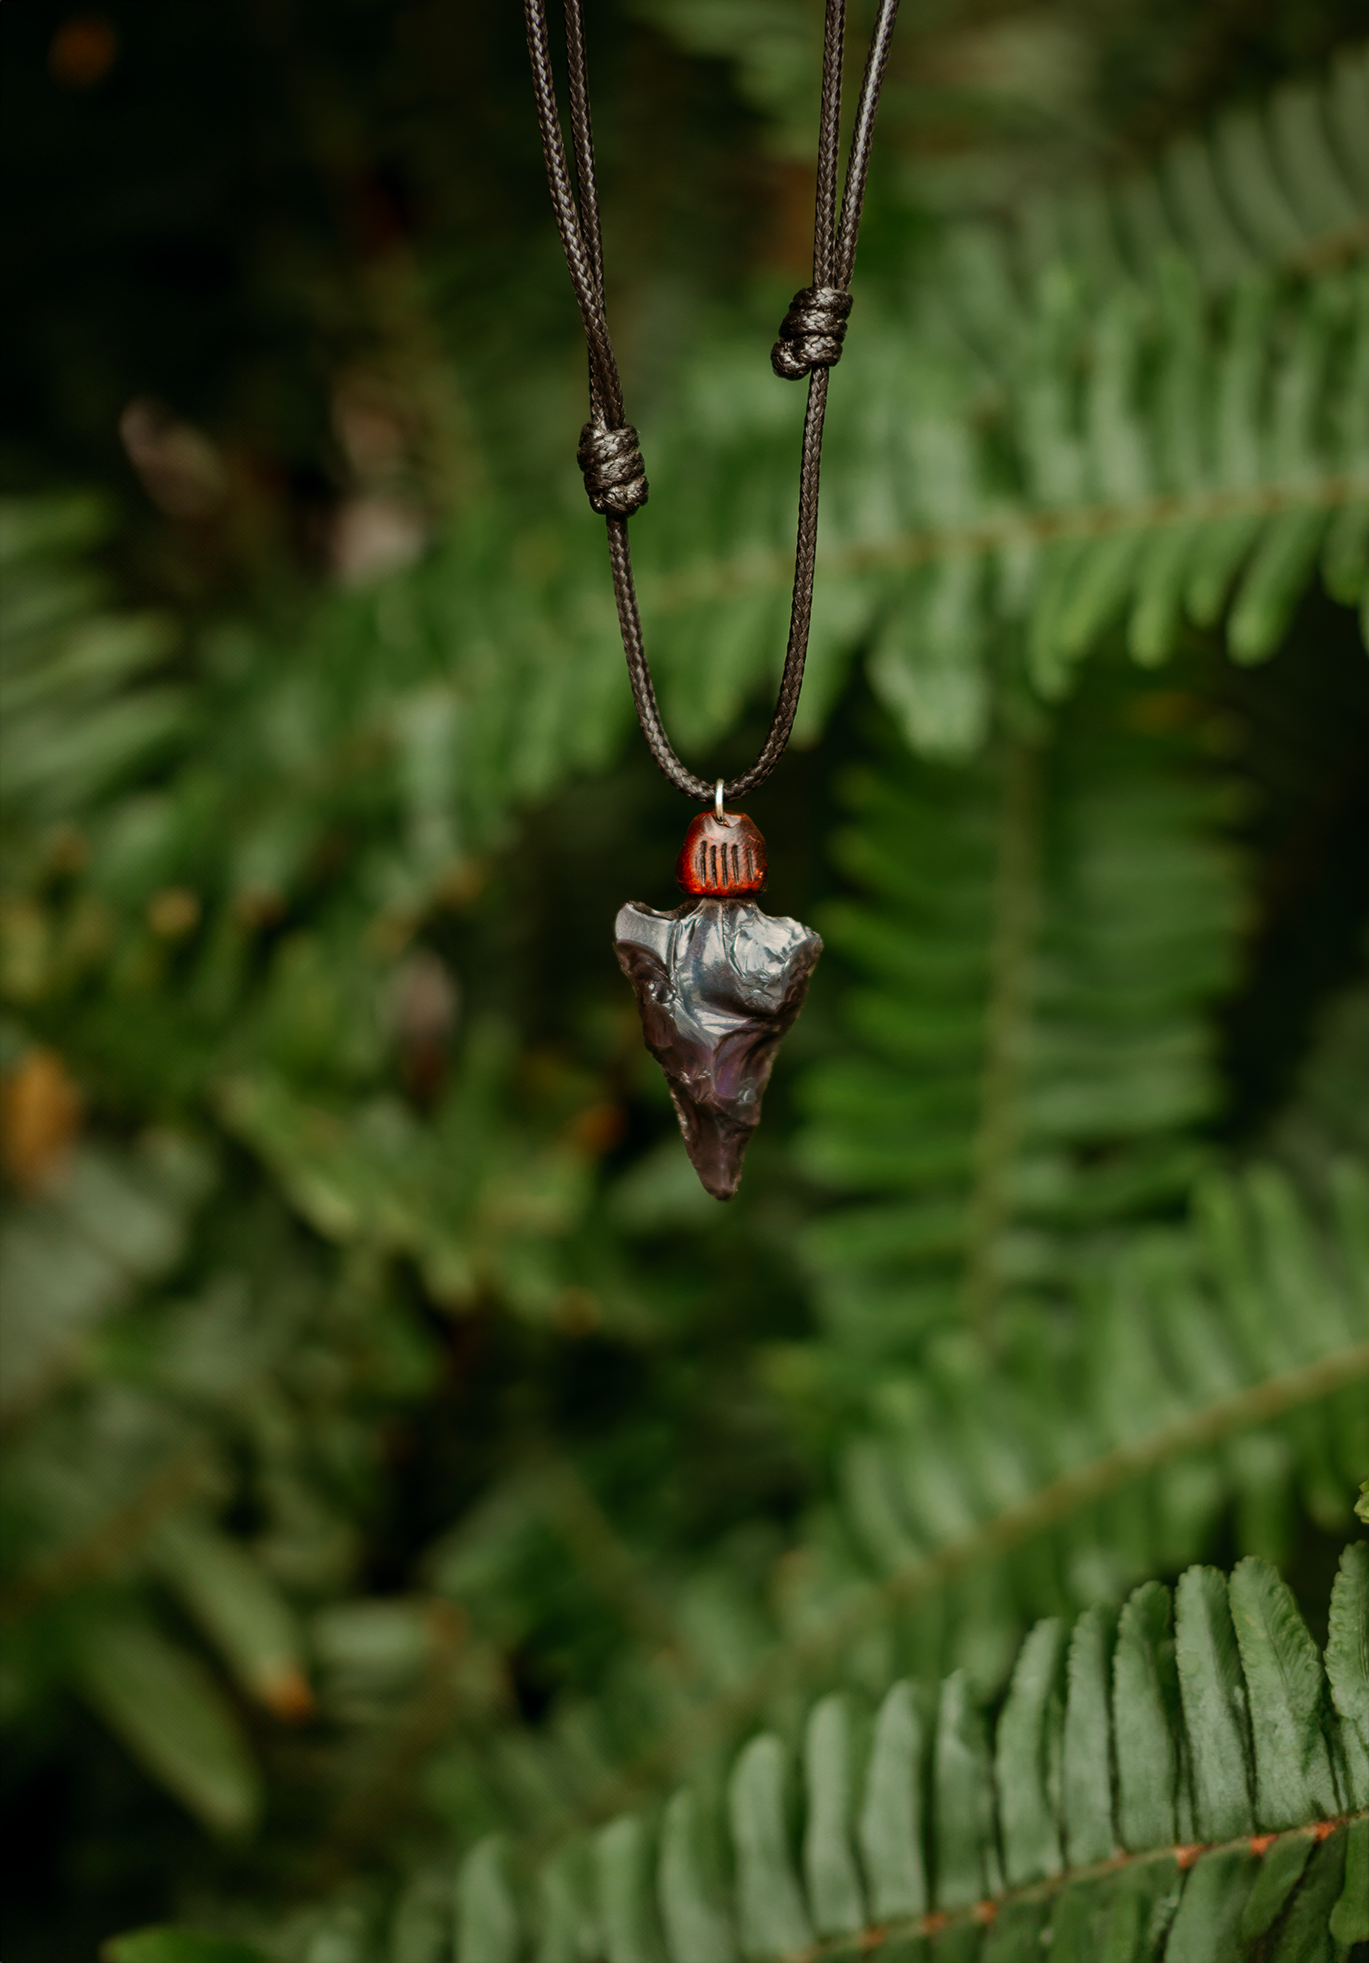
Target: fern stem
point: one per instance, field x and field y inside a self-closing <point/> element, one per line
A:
<point x="1016" y="898"/>
<point x="1011" y="528"/>
<point x="873" y="1939"/>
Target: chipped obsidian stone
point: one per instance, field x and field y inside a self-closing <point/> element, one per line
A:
<point x="718" y="983"/>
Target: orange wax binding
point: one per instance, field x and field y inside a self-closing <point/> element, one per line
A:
<point x="722" y="858"/>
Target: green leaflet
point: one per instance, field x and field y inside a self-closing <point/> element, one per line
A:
<point x="238" y="1607"/>
<point x="1145" y="1706"/>
<point x="623" y="1860"/>
<point x="568" y="1925"/>
<point x="1144" y="1902"/>
<point x="1087" y="1768"/>
<point x="1347" y="1664"/>
<point x="1216" y="1716"/>
<point x="696" y="1928"/>
<point x="1017" y="1934"/>
<point x="1345" y="555"/>
<point x="1289" y="1255"/>
<point x="829" y="1866"/>
<point x="421" y="1929"/>
<point x="1304" y="1933"/>
<point x="1027" y="1759"/>
<point x="1079" y="1921"/>
<point x="71" y="1258"/>
<point x="1207" y="1927"/>
<point x="171" y="1715"/>
<point x="1350" y="1196"/>
<point x="927" y="666"/>
<point x="1273" y="583"/>
<point x="962" y="1801"/>
<point x="771" y="1912"/>
<point x="1350" y="1917"/>
<point x="891" y="1838"/>
<point x="1280" y="1871"/>
<point x="1156" y="617"/>
<point x="1293" y="1779"/>
<point x="487" y="1924"/>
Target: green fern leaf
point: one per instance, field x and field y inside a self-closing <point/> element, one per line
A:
<point x="1350" y="1918"/>
<point x="891" y="1836"/>
<point x="1216" y="1718"/>
<point x="569" y="1928"/>
<point x="829" y="1865"/>
<point x="696" y="1929"/>
<point x="167" y="1709"/>
<point x="622" y="1858"/>
<point x="1087" y="1778"/>
<point x="239" y="1608"/>
<point x="1018" y="1934"/>
<point x="964" y="1860"/>
<point x="1145" y="1715"/>
<point x="1280" y="1872"/>
<point x="1293" y="1779"/>
<point x="1303" y="1935"/>
<point x="1206" y="1928"/>
<point x="1347" y="1664"/>
<point x="771" y="1912"/>
<point x="1027" y="1767"/>
<point x="486" y="1919"/>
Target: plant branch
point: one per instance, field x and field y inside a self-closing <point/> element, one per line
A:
<point x="1018" y="527"/>
<point x="984" y="1913"/>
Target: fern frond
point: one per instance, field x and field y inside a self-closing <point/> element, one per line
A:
<point x="1138" y="407"/>
<point x="1280" y="185"/>
<point x="982" y="1496"/>
<point x="1207" y="1336"/>
<point x="1104" y="1810"/>
<point x="1141" y="457"/>
<point x="1034" y="941"/>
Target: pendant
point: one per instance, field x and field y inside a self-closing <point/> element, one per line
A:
<point x="719" y="984"/>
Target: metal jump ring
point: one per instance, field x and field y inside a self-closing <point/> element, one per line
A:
<point x="718" y="802"/>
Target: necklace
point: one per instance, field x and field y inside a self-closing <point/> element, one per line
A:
<point x="718" y="982"/>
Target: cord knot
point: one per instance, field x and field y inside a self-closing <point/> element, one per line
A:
<point x="612" y="467"/>
<point x="812" y="332"/>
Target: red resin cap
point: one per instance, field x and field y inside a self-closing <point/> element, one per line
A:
<point x="722" y="858"/>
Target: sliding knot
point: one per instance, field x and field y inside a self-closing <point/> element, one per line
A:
<point x="812" y="332"/>
<point x="612" y="467"/>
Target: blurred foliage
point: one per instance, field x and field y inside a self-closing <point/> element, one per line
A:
<point x="432" y="1525"/>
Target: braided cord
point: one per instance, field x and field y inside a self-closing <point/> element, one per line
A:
<point x="810" y="343"/>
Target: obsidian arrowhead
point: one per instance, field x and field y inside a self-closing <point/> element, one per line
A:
<point x="718" y="983"/>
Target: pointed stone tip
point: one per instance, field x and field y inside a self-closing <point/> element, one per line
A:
<point x="715" y="1147"/>
<point x="718" y="983"/>
<point x="715" y="1156"/>
<point x="713" y="1188"/>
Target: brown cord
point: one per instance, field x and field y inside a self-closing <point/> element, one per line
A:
<point x="810" y="342"/>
